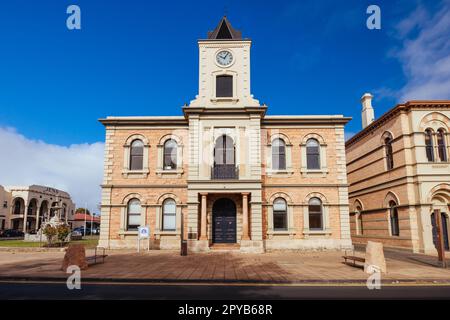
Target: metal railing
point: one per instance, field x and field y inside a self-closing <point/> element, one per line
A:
<point x="224" y="171"/>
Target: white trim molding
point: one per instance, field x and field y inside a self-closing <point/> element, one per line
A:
<point x="126" y="172"/>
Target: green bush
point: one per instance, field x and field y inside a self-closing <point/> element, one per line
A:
<point x="50" y="232"/>
<point x="62" y="232"/>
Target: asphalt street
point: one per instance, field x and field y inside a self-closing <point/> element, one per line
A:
<point x="217" y="292"/>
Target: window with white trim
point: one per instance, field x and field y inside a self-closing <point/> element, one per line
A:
<point x="315" y="211"/>
<point x="137" y="155"/>
<point x="170" y="155"/>
<point x="280" y="214"/>
<point x="278" y="154"/>
<point x="133" y="214"/>
<point x="169" y="221"/>
<point x="312" y="154"/>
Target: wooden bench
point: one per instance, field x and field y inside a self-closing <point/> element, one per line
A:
<point x="96" y="258"/>
<point x="354" y="259"/>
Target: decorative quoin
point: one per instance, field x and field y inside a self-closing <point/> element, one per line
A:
<point x="226" y="175"/>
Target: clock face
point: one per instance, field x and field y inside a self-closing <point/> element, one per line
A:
<point x="224" y="58"/>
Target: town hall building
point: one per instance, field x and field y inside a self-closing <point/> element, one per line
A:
<point x="225" y="175"/>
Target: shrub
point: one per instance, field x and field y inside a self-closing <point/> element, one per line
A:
<point x="62" y="232"/>
<point x="50" y="232"/>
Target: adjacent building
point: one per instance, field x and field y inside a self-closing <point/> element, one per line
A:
<point x="225" y="174"/>
<point x="399" y="174"/>
<point x="5" y="202"/>
<point x="25" y="208"/>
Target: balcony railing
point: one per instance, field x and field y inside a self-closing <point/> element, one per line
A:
<point x="224" y="171"/>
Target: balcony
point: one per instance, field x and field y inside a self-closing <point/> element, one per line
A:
<point x="224" y="172"/>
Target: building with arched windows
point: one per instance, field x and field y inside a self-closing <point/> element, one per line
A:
<point x="224" y="174"/>
<point x="25" y="208"/>
<point x="399" y="174"/>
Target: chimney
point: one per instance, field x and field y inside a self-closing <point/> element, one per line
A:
<point x="367" y="114"/>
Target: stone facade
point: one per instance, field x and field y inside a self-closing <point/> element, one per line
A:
<point x="382" y="198"/>
<point x="220" y="183"/>
<point x="34" y="204"/>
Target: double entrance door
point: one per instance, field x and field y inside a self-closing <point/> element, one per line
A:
<point x="224" y="221"/>
<point x="444" y="229"/>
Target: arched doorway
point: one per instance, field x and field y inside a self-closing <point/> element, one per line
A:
<point x="224" y="159"/>
<point x="224" y="221"/>
<point x="444" y="220"/>
<point x="440" y="202"/>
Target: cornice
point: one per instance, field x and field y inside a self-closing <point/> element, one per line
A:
<point x="169" y="121"/>
<point x="406" y="107"/>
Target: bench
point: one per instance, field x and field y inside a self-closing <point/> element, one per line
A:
<point x="96" y="258"/>
<point x="354" y="259"/>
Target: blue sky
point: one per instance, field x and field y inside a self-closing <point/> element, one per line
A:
<point x="138" y="57"/>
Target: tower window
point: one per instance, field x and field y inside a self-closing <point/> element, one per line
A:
<point x="224" y="86"/>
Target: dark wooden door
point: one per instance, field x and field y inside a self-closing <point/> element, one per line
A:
<point x="224" y="221"/>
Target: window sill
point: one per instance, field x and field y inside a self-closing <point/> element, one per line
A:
<point x="225" y="99"/>
<point x="276" y="233"/>
<point x="286" y="172"/>
<point x="128" y="233"/>
<point x="162" y="172"/>
<point x="135" y="173"/>
<point x="316" y="232"/>
<point x="168" y="233"/>
<point x="314" y="172"/>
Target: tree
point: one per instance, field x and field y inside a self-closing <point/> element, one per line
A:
<point x="50" y="232"/>
<point x="81" y="210"/>
<point x="62" y="232"/>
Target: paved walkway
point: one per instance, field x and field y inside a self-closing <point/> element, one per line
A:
<point x="279" y="267"/>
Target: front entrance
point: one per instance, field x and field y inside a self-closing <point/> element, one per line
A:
<point x="444" y="229"/>
<point x="224" y="221"/>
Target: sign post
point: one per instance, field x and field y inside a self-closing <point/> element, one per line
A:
<point x="440" y="237"/>
<point x="143" y="233"/>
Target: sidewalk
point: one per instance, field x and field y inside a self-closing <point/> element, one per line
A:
<point x="217" y="267"/>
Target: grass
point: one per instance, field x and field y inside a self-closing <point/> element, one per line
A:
<point x="90" y="242"/>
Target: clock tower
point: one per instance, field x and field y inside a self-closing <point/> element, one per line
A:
<point x="224" y="69"/>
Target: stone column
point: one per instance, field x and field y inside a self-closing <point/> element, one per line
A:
<point x="203" y="227"/>
<point x="25" y="218"/>
<point x="37" y="217"/>
<point x="245" y="233"/>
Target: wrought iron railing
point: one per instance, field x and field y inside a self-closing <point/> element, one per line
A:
<point x="224" y="171"/>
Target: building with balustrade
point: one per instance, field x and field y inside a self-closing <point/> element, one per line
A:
<point x="25" y="208"/>
<point x="399" y="175"/>
<point x="225" y="175"/>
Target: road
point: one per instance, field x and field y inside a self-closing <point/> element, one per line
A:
<point x="201" y="292"/>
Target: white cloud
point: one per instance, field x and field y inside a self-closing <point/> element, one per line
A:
<point x="77" y="169"/>
<point x="425" y="54"/>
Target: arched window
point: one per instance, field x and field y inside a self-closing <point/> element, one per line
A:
<point x="18" y="206"/>
<point x="312" y="154"/>
<point x="429" y="145"/>
<point x="137" y="155"/>
<point x="359" y="221"/>
<point x="170" y="155"/>
<point x="278" y="154"/>
<point x="389" y="153"/>
<point x="315" y="214"/>
<point x="279" y="214"/>
<point x="441" y="145"/>
<point x="224" y="159"/>
<point x="169" y="215"/>
<point x="393" y="212"/>
<point x="133" y="214"/>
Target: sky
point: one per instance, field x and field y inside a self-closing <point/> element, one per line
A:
<point x="140" y="57"/>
